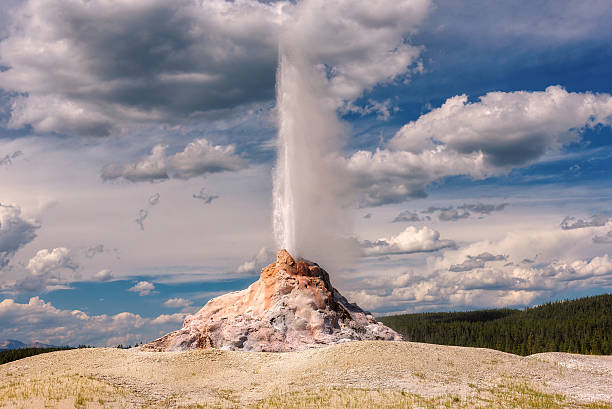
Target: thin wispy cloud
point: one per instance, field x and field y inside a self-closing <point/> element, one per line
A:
<point x="450" y="213"/>
<point x="8" y="159"/>
<point x="142" y="216"/>
<point x="204" y="197"/>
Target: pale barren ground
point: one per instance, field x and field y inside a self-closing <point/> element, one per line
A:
<point x="354" y="374"/>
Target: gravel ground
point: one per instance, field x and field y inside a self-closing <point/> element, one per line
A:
<point x="109" y="377"/>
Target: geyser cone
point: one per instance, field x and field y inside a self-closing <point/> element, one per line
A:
<point x="292" y="306"/>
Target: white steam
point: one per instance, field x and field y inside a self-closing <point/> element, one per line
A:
<point x="329" y="53"/>
<point x="306" y="185"/>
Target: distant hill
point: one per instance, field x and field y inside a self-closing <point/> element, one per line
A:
<point x="11" y="344"/>
<point x="580" y="326"/>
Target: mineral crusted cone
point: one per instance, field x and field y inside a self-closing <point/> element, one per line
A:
<point x="292" y="306"/>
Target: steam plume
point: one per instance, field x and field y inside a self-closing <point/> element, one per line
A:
<point x="329" y="53"/>
<point x="306" y="212"/>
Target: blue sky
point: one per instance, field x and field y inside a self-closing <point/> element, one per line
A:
<point x="138" y="144"/>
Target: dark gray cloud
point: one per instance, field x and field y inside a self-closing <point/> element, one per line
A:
<point x="92" y="251"/>
<point x="474" y="262"/>
<point x="146" y="61"/>
<point x="483" y="208"/>
<point x="407" y="216"/>
<point x="433" y="209"/>
<point x="142" y="215"/>
<point x="32" y="284"/>
<point x="154" y="199"/>
<point x="453" y="215"/>
<point x="199" y="158"/>
<point x="15" y="232"/>
<point x="9" y="158"/>
<point x="597" y="220"/>
<point x="97" y="249"/>
<point x="205" y="197"/>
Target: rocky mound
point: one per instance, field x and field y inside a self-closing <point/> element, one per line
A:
<point x="292" y="306"/>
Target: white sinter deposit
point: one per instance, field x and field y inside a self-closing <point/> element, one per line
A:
<point x="292" y="306"/>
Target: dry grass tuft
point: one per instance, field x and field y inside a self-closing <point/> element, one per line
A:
<point x="502" y="397"/>
<point x="60" y="391"/>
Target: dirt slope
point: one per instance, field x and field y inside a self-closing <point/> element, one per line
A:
<point x="394" y="374"/>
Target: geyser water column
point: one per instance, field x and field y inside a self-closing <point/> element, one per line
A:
<point x="330" y="52"/>
<point x="308" y="219"/>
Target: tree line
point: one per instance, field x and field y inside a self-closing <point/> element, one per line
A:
<point x="581" y="326"/>
<point x="15" y="354"/>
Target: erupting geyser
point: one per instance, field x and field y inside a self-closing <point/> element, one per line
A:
<point x="308" y="218"/>
<point x="292" y="306"/>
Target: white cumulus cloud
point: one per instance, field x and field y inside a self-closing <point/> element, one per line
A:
<point x="46" y="261"/>
<point x="41" y="321"/>
<point x="503" y="130"/>
<point x="104" y="275"/>
<point x="522" y="267"/>
<point x="143" y="288"/>
<point x="177" y="303"/>
<point x="199" y="158"/>
<point x="410" y="240"/>
<point x="509" y="128"/>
